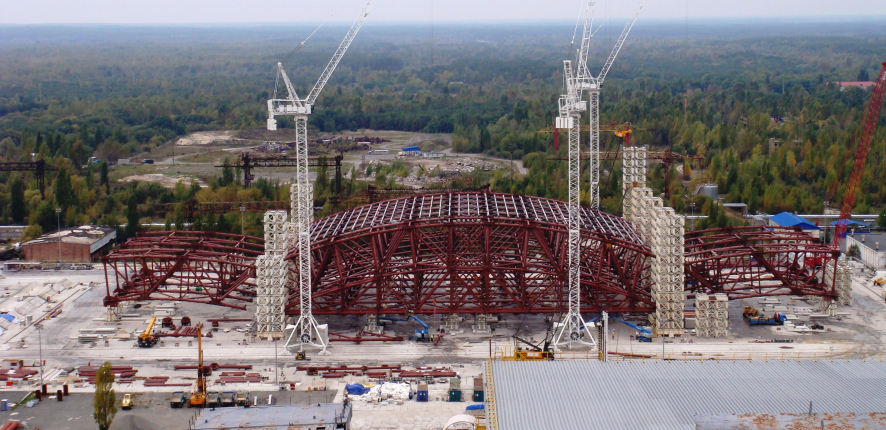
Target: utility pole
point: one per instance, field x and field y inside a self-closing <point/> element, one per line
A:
<point x="58" y="216"/>
<point x="40" y="342"/>
<point x="276" y="368"/>
<point x="692" y="220"/>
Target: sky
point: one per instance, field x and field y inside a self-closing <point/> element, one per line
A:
<point x="418" y="11"/>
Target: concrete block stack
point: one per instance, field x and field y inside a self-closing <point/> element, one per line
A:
<point x="272" y="275"/>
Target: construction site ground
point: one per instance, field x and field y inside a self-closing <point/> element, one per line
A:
<point x="859" y="331"/>
<point x="194" y="157"/>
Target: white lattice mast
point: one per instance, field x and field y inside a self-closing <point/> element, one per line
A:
<point x="573" y="328"/>
<point x="272" y="276"/>
<point x="306" y="328"/>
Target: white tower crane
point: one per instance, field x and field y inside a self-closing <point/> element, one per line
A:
<point x="577" y="79"/>
<point x="306" y="328"/>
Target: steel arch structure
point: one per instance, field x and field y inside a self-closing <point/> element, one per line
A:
<point x="746" y="262"/>
<point x="471" y="253"/>
<point x="188" y="266"/>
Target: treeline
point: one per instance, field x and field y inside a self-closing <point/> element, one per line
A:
<point x="722" y="98"/>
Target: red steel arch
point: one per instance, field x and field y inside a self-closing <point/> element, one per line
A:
<point x="189" y="266"/>
<point x="746" y="262"/>
<point x="471" y="252"/>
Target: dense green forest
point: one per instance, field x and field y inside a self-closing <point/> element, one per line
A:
<point x="71" y="93"/>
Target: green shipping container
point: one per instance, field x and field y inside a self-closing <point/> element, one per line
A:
<point x="454" y="395"/>
<point x="478" y="395"/>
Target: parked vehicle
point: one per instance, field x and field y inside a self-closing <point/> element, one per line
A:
<point x="179" y="398"/>
<point x="213" y="400"/>
<point x="126" y="404"/>
<point x="243" y="398"/>
<point x="228" y="398"/>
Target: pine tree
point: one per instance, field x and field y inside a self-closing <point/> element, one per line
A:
<point x="103" y="177"/>
<point x="17" y="199"/>
<point x="105" y="400"/>
<point x="132" y="219"/>
<point x="62" y="188"/>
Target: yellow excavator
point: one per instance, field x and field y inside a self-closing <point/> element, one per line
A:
<point x="198" y="398"/>
<point x="147" y="339"/>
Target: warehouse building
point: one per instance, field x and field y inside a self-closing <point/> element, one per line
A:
<point x="82" y="244"/>
<point x="652" y="394"/>
<point x="787" y="219"/>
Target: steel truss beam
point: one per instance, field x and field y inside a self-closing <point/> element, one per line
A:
<point x="473" y="253"/>
<point x="188" y="266"/>
<point x="746" y="262"/>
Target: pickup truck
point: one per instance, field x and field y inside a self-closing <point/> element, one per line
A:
<point x="179" y="398"/>
<point x="243" y="398"/>
<point x="213" y="400"/>
<point x="227" y="398"/>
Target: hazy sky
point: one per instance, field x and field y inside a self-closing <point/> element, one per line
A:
<point x="245" y="11"/>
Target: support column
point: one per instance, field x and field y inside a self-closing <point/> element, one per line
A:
<point x="712" y="315"/>
<point x="272" y="272"/>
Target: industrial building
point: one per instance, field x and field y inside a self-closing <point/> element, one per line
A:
<point x="647" y="394"/>
<point x="11" y="232"/>
<point x="871" y="248"/>
<point x="787" y="219"/>
<point x="316" y="416"/>
<point x="82" y="244"/>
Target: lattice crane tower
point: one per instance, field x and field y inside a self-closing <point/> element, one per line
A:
<point x="577" y="79"/>
<point x="306" y="328"/>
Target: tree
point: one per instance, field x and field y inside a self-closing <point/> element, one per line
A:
<point x="227" y="175"/>
<point x="132" y="218"/>
<point x="62" y="188"/>
<point x="105" y="400"/>
<point x="862" y="77"/>
<point x="103" y="177"/>
<point x="17" y="199"/>
<point x="881" y="220"/>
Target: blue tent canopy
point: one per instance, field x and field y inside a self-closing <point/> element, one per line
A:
<point x="850" y="222"/>
<point x="787" y="219"/>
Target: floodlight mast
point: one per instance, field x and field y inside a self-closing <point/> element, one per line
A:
<point x="307" y="328"/>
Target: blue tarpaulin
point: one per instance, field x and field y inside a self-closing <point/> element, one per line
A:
<point x="411" y="149"/>
<point x="477" y="407"/>
<point x="7" y="317"/>
<point x="356" y="389"/>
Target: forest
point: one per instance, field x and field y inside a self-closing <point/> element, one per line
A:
<point x="721" y="92"/>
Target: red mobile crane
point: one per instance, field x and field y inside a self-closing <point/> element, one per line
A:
<point x="864" y="145"/>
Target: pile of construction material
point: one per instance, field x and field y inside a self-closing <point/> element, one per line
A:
<point x="17" y="373"/>
<point x="122" y="374"/>
<point x="238" y="378"/>
<point x="712" y="315"/>
<point x="163" y="381"/>
<point x="276" y="147"/>
<point x="386" y="391"/>
<point x="92" y="335"/>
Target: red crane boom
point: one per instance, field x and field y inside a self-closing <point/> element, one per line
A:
<point x="864" y="145"/>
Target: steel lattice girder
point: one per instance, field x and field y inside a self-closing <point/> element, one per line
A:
<point x="746" y="262"/>
<point x="472" y="252"/>
<point x="189" y="266"/>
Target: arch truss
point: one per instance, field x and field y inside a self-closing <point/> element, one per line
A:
<point x="471" y="253"/>
<point x="746" y="262"/>
<point x="188" y="266"/>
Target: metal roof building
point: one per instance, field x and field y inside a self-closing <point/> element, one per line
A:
<point x="659" y="395"/>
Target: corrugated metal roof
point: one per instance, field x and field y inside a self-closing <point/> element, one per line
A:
<point x="787" y="219"/>
<point x="651" y="395"/>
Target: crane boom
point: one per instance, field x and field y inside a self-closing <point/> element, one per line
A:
<point x="289" y="88"/>
<point x="617" y="47"/>
<point x="339" y="53"/>
<point x="869" y="124"/>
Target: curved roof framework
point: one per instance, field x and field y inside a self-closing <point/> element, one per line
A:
<point x="189" y="266"/>
<point x="471" y="252"/>
<point x="748" y="262"/>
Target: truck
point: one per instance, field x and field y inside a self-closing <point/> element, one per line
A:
<point x="178" y="399"/>
<point x="213" y="400"/>
<point x="228" y="398"/>
<point x="776" y="319"/>
<point x="243" y="398"/>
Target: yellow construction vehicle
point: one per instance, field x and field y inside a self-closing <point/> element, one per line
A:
<point x="749" y="312"/>
<point x="198" y="398"/>
<point x="147" y="339"/>
<point x="126" y="404"/>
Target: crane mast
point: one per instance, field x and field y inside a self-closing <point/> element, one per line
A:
<point x="577" y="79"/>
<point x="302" y="198"/>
